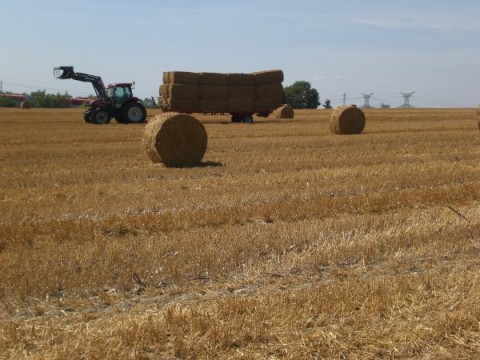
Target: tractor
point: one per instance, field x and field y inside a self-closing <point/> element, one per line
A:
<point x="115" y="100"/>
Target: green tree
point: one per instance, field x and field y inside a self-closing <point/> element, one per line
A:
<point x="40" y="99"/>
<point x="328" y="104"/>
<point x="149" y="103"/>
<point x="301" y="95"/>
<point x="6" y="102"/>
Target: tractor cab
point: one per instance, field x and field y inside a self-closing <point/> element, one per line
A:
<point x="119" y="93"/>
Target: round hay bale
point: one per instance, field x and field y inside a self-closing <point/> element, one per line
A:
<point x="149" y="134"/>
<point x="25" y="105"/>
<point x="347" y="120"/>
<point x="284" y="112"/>
<point x="176" y="140"/>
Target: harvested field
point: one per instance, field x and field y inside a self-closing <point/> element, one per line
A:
<point x="287" y="242"/>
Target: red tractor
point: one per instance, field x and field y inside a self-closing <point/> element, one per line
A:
<point x="115" y="100"/>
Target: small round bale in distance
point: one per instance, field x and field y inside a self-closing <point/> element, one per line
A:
<point x="176" y="140"/>
<point x="347" y="120"/>
<point x="284" y="112"/>
<point x="25" y="104"/>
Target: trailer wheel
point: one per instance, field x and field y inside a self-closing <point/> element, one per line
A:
<point x="242" y="118"/>
<point x="134" y="113"/>
<point x="100" y="116"/>
<point x="236" y="118"/>
<point x="248" y="119"/>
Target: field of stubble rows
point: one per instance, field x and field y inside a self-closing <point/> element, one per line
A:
<point x="288" y="242"/>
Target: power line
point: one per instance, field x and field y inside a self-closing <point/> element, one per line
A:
<point x="35" y="87"/>
<point x="367" y="100"/>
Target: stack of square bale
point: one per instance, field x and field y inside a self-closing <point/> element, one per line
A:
<point x="259" y="92"/>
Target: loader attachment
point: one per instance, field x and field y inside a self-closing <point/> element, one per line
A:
<point x="63" y="72"/>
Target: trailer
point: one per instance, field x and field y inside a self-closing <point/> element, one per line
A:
<point x="238" y="94"/>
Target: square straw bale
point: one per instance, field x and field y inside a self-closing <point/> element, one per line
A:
<point x="267" y="105"/>
<point x="273" y="90"/>
<point x="183" y="91"/>
<point x="184" y="105"/>
<point x="213" y="92"/>
<point x="184" y="77"/>
<point x="240" y="105"/>
<point x="208" y="78"/>
<point x="268" y="77"/>
<point x="213" y="106"/>
<point x="242" y="91"/>
<point x="241" y="79"/>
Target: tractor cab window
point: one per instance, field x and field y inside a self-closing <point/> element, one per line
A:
<point x="122" y="93"/>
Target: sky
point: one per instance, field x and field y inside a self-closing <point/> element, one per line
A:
<point x="430" y="47"/>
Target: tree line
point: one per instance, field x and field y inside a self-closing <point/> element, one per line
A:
<point x="299" y="95"/>
<point x="38" y="99"/>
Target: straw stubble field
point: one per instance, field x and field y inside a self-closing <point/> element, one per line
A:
<point x="287" y="242"/>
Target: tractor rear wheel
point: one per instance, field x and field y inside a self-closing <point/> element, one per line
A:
<point x="100" y="116"/>
<point x="134" y="113"/>
<point x="120" y="119"/>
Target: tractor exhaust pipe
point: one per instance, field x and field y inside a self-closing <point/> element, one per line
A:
<point x="63" y="72"/>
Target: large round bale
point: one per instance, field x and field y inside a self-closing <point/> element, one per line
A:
<point x="25" y="104"/>
<point x="284" y="112"/>
<point x="347" y="120"/>
<point x="176" y="140"/>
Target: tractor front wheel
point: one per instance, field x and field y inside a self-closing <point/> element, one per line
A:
<point x="100" y="116"/>
<point x="87" y="117"/>
<point x="134" y="113"/>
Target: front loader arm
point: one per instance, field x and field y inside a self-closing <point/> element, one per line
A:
<point x="66" y="72"/>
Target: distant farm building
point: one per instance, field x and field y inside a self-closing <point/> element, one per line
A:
<point x="77" y="102"/>
<point x="18" y="98"/>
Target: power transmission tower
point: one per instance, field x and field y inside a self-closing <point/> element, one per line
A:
<point x="406" y="99"/>
<point x="367" y="100"/>
<point x="344" y="98"/>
